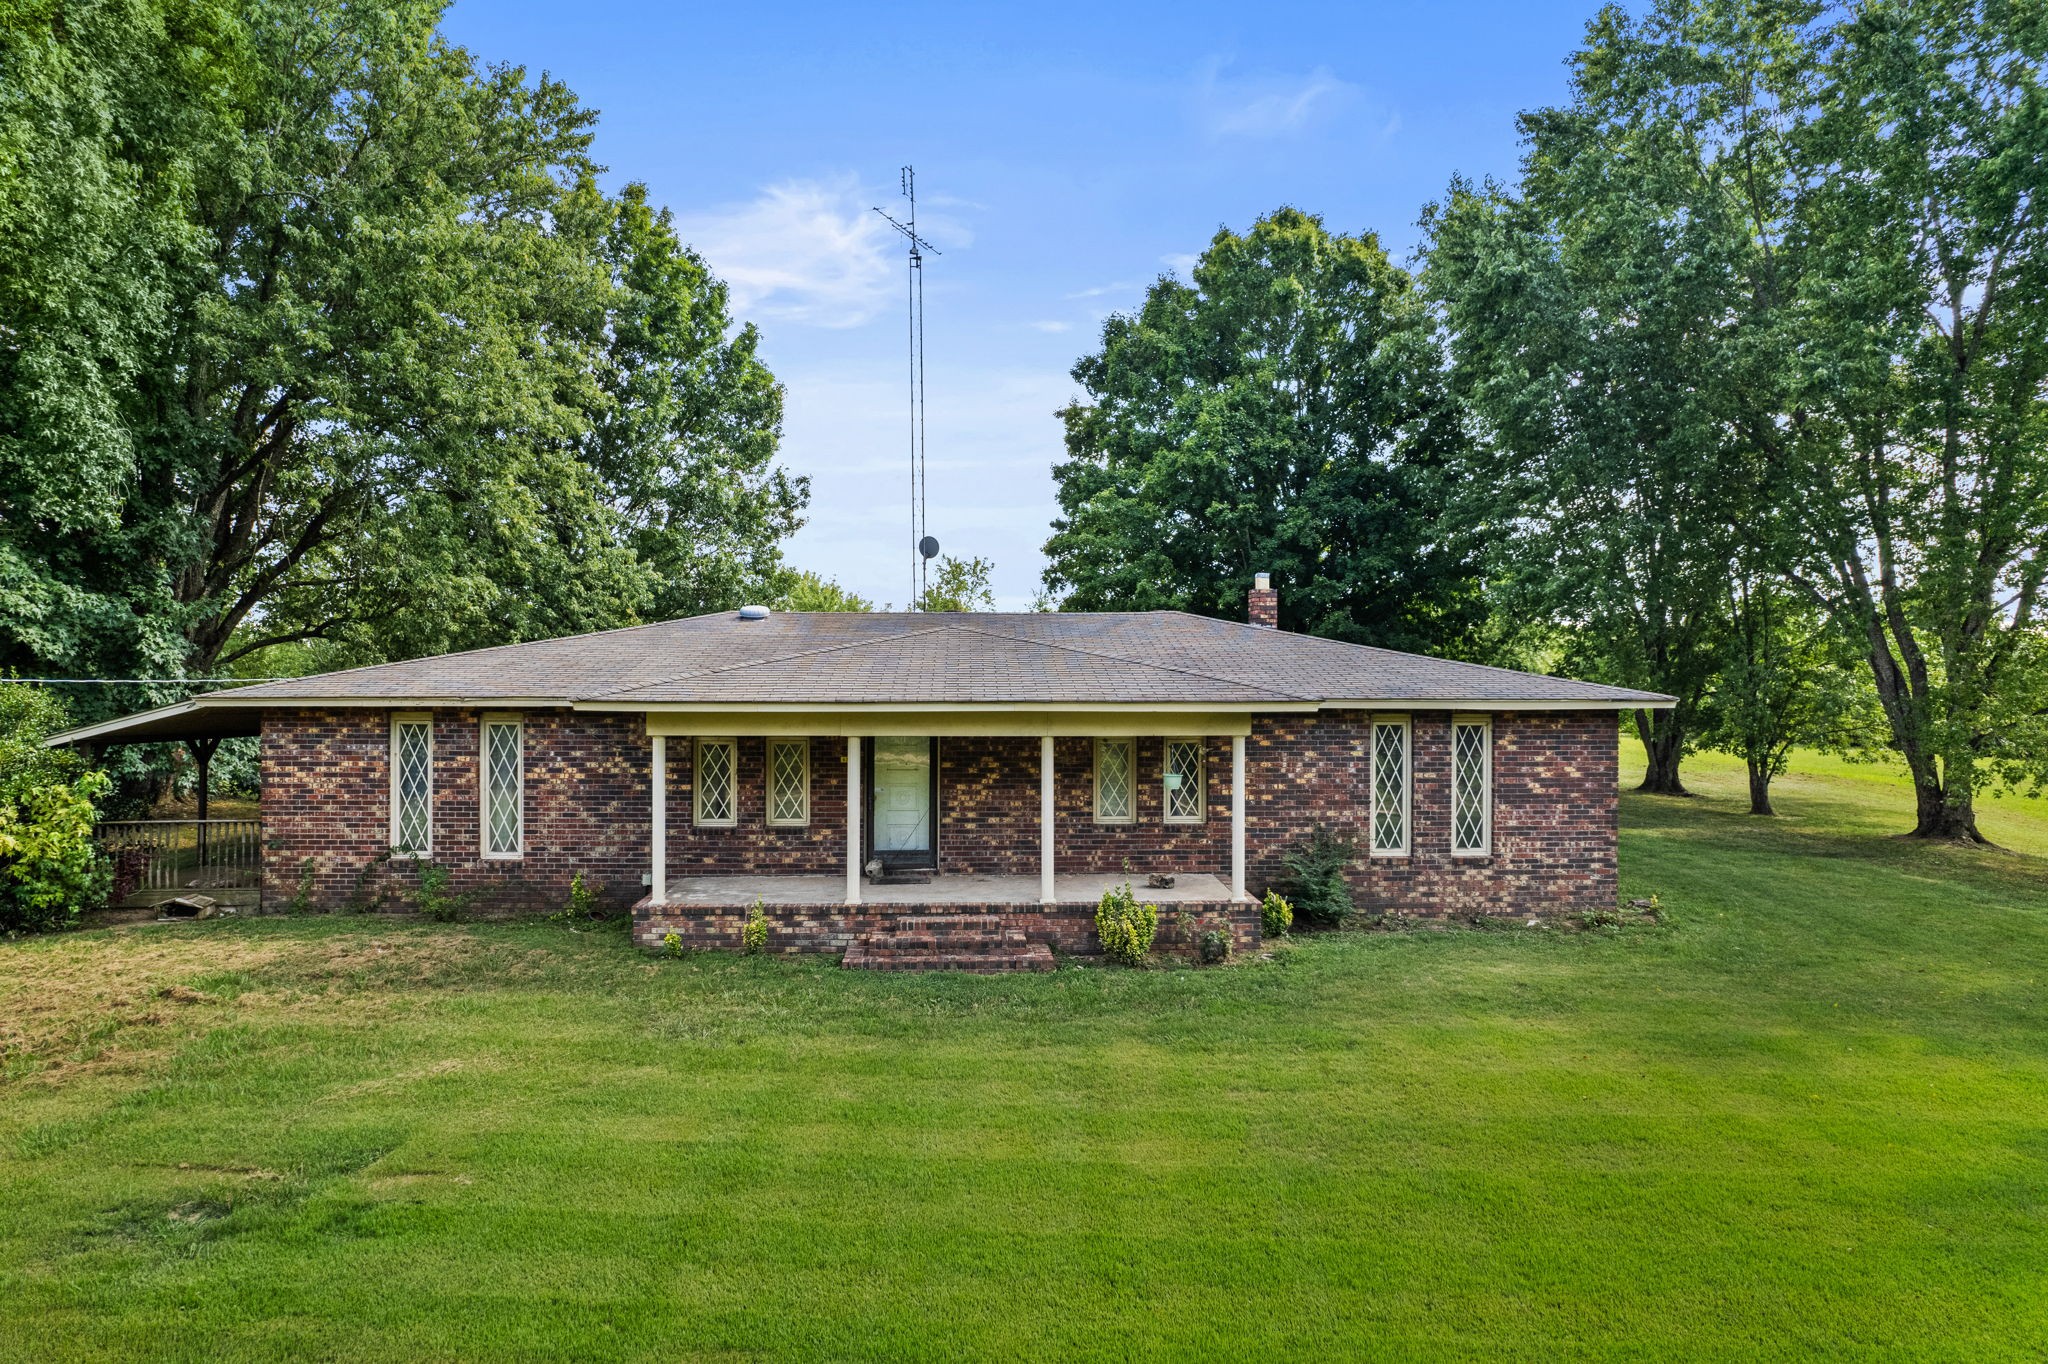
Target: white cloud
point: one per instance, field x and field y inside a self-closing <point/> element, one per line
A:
<point x="1050" y="325"/>
<point x="1097" y="291"/>
<point x="808" y="251"/>
<point x="1181" y="263"/>
<point x="1266" y="105"/>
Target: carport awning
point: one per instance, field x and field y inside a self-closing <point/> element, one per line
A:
<point x="194" y="719"/>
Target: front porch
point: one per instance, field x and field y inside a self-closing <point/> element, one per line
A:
<point x="1017" y="823"/>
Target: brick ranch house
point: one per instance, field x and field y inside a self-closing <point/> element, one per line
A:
<point x="1008" y="767"/>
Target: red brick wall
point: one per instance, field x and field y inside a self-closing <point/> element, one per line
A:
<point x="326" y="811"/>
<point x="751" y="845"/>
<point x="988" y="794"/>
<point x="1554" y="811"/>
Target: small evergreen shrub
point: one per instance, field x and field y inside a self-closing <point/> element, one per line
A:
<point x="1125" y="927"/>
<point x="754" y="933"/>
<point x="672" y="945"/>
<point x="1276" y="915"/>
<point x="1312" y="874"/>
<point x="1215" y="946"/>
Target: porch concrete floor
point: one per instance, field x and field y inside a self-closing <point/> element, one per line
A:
<point x="1086" y="888"/>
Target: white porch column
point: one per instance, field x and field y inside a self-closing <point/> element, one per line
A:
<point x="852" y="821"/>
<point x="657" y="883"/>
<point x="1045" y="820"/>
<point x="1237" y="816"/>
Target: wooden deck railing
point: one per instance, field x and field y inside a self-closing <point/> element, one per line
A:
<point x="155" y="855"/>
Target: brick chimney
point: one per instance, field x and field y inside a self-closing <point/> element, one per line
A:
<point x="1262" y="603"/>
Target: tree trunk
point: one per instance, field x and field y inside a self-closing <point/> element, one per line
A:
<point x="1760" y="788"/>
<point x="1663" y="743"/>
<point x="1944" y="813"/>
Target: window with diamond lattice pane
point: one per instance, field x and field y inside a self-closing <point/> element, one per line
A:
<point x="1183" y="781"/>
<point x="789" y="796"/>
<point x="1113" y="781"/>
<point x="412" y="790"/>
<point x="503" y="816"/>
<point x="714" y="781"/>
<point x="1471" y="788"/>
<point x="1390" y="788"/>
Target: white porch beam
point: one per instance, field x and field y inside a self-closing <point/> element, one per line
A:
<point x="1237" y="816"/>
<point x="657" y="882"/>
<point x="1045" y="819"/>
<point x="852" y="820"/>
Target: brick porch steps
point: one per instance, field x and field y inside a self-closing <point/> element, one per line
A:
<point x="948" y="942"/>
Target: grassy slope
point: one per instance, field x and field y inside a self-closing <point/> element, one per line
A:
<point x="1803" y="1119"/>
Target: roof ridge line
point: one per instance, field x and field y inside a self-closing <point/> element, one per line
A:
<point x="1140" y="663"/>
<point x="773" y="658"/>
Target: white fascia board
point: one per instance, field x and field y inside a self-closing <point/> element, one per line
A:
<point x="86" y="733"/>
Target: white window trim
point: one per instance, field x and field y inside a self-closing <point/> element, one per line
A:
<point x="1201" y="779"/>
<point x="1485" y="848"/>
<point x="485" y="723"/>
<point x="409" y="717"/>
<point x="732" y="777"/>
<point x="1407" y="786"/>
<point x="803" y="746"/>
<point x="1130" y="747"/>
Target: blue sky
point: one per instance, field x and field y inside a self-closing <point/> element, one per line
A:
<point x="1066" y="157"/>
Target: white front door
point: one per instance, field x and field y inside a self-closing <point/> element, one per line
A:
<point x="903" y="795"/>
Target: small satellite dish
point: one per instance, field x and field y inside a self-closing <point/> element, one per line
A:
<point x="929" y="546"/>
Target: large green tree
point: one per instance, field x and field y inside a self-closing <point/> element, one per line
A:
<point x="1606" y="339"/>
<point x="1919" y="433"/>
<point x="1888" y="322"/>
<point x="330" y="336"/>
<point x="1283" y="412"/>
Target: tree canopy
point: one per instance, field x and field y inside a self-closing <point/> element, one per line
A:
<point x="1284" y="412"/>
<point x="324" y="333"/>
<point x="1769" y="304"/>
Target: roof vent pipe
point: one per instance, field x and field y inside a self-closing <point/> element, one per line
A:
<point x="753" y="613"/>
<point x="1262" y="603"/>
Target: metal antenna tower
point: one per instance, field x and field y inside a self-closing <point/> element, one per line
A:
<point x="922" y="546"/>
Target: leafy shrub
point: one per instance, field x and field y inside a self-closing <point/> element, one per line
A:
<point x="1275" y="914"/>
<point x="672" y="945"/>
<point x="1125" y="927"/>
<point x="50" y="867"/>
<point x="302" y="898"/>
<point x="1215" y="946"/>
<point x="754" y="933"/>
<point x="583" y="903"/>
<point x="1313" y="876"/>
<point x="434" y="899"/>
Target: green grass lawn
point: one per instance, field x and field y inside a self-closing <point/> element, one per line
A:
<point x="1805" y="1117"/>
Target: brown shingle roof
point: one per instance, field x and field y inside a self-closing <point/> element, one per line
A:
<point x="839" y="658"/>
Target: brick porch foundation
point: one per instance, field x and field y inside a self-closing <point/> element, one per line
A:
<point x="792" y="928"/>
